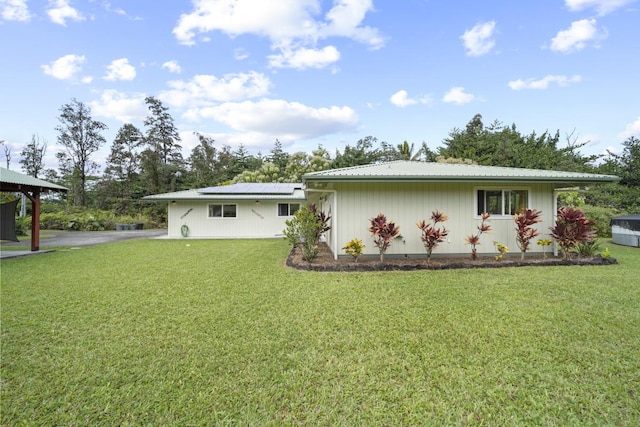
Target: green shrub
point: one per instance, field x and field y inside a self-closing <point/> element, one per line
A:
<point x="305" y="228"/>
<point x="601" y="216"/>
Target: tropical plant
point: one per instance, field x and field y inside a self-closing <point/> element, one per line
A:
<point x="322" y="219"/>
<point x="474" y="239"/>
<point x="572" y="227"/>
<point x="544" y="243"/>
<point x="383" y="233"/>
<point x="354" y="247"/>
<point x="305" y="228"/>
<point x="524" y="230"/>
<point x="502" y="250"/>
<point x="590" y="248"/>
<point x="432" y="235"/>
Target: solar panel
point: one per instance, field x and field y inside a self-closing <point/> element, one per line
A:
<point x="253" y="188"/>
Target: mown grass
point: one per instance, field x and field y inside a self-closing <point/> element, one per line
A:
<point x="161" y="332"/>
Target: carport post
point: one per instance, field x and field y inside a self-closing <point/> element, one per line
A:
<point x="35" y="219"/>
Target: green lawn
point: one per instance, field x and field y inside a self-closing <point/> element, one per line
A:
<point x="169" y="332"/>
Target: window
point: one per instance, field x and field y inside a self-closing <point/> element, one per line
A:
<point x="502" y="202"/>
<point x="287" y="209"/>
<point x="222" y="211"/>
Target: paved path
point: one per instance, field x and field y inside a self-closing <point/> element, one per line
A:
<point x="76" y="238"/>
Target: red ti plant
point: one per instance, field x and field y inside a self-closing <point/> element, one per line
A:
<point x="571" y="228"/>
<point x="524" y="231"/>
<point x="431" y="235"/>
<point x="474" y="239"/>
<point x="322" y="219"/>
<point x="383" y="233"/>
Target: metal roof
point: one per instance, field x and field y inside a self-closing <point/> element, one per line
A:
<point x="253" y="188"/>
<point x="449" y="172"/>
<point x="241" y="191"/>
<point x="17" y="180"/>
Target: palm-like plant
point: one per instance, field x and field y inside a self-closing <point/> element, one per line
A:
<point x="474" y="239"/>
<point x="432" y="235"/>
<point x="524" y="231"/>
<point x="383" y="233"/>
<point x="572" y="227"/>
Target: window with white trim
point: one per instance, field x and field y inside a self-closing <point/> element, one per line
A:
<point x="222" y="211"/>
<point x="287" y="209"/>
<point x="501" y="202"/>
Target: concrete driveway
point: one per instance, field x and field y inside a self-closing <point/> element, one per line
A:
<point x="74" y="239"/>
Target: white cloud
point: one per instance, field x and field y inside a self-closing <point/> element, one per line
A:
<point x="577" y="36"/>
<point x="457" y="95"/>
<point x="117" y="105"/>
<point x="544" y="82"/>
<point x="401" y="99"/>
<point x="479" y="40"/>
<point x="60" y="11"/>
<point x="293" y="26"/>
<point x="172" y="66"/>
<point x="14" y="10"/>
<point x="120" y="69"/>
<point x="203" y="90"/>
<point x="632" y="129"/>
<point x="602" y="6"/>
<point x="240" y="54"/>
<point x="275" y="117"/>
<point x="305" y="58"/>
<point x="65" y="67"/>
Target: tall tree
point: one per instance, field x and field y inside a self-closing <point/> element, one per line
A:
<point x="7" y="152"/>
<point x="32" y="160"/>
<point x="80" y="137"/>
<point x="498" y="145"/>
<point x="122" y="168"/>
<point x="363" y="153"/>
<point x="162" y="160"/>
<point x="278" y="156"/>
<point x="202" y="163"/>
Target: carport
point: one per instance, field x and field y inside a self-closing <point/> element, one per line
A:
<point x="15" y="182"/>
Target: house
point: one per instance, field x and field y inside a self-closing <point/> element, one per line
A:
<point x="407" y="192"/>
<point x="245" y="210"/>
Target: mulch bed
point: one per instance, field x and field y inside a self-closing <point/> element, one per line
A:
<point x="325" y="262"/>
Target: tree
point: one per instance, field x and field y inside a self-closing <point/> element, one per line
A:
<point x="202" y="163"/>
<point x="80" y="137"/>
<point x="122" y="168"/>
<point x="499" y="145"/>
<point x="278" y="156"/>
<point x="7" y="152"/>
<point x="32" y="160"/>
<point x="363" y="153"/>
<point x="625" y="195"/>
<point x="162" y="160"/>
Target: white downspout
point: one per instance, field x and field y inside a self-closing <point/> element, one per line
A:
<point x="334" y="228"/>
<point x="555" y="218"/>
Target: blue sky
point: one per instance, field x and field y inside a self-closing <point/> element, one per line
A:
<point x="328" y="72"/>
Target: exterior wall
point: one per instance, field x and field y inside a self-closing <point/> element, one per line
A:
<point x="353" y="204"/>
<point x="253" y="220"/>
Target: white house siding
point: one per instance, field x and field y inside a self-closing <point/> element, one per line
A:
<point x="253" y="220"/>
<point x="407" y="203"/>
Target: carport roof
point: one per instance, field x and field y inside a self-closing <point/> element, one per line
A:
<point x="16" y="181"/>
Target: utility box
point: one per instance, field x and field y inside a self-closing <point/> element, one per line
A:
<point x="625" y="230"/>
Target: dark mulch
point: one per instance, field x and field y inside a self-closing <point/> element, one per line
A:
<point x="325" y="262"/>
